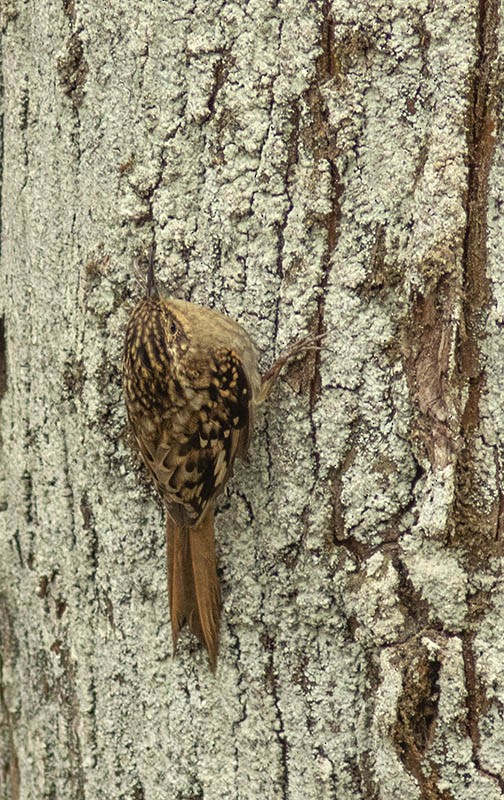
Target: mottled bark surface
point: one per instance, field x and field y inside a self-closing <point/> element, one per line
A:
<point x="301" y="165"/>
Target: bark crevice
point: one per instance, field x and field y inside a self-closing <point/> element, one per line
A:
<point x="468" y="515"/>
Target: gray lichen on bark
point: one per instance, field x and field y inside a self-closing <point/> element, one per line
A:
<point x="303" y="166"/>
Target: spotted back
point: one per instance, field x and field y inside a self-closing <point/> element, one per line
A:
<point x="191" y="456"/>
<point x="190" y="403"/>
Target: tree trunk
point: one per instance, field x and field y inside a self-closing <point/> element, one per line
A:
<point x="302" y="166"/>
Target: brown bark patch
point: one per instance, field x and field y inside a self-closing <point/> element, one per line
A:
<point x="320" y="137"/>
<point x="337" y="529"/>
<point x="69" y="9"/>
<point x="428" y="346"/>
<point x="73" y="69"/>
<point x="470" y="518"/>
<point x="417" y="712"/>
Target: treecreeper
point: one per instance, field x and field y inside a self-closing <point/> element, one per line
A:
<point x="192" y="385"/>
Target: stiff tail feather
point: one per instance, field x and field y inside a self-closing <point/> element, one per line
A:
<point x="193" y="586"/>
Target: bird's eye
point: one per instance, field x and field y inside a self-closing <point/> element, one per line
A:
<point x="173" y="328"/>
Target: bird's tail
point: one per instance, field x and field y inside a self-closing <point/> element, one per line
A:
<point x="193" y="586"/>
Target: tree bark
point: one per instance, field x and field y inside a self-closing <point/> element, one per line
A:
<point x="327" y="166"/>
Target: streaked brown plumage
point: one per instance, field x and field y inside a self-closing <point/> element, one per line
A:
<point x="191" y="385"/>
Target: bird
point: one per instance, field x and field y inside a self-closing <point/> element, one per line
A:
<point x="192" y="385"/>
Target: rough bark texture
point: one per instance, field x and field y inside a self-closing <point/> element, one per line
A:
<point x="330" y="165"/>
